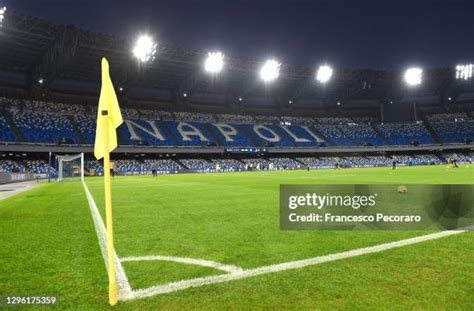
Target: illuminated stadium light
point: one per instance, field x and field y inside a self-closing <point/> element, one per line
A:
<point x="240" y="99"/>
<point x="214" y="62"/>
<point x="324" y="73"/>
<point x="40" y="80"/>
<point x="413" y="76"/>
<point x="290" y="102"/>
<point x="145" y="49"/>
<point x="185" y="95"/>
<point x="270" y="70"/>
<point x="464" y="72"/>
<point x="2" y="14"/>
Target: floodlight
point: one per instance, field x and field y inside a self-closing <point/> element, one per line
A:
<point x="413" y="76"/>
<point x="240" y="99"/>
<point x="2" y="14"/>
<point x="270" y="70"/>
<point x="145" y="49"/>
<point x="40" y="80"/>
<point x="214" y="62"/>
<point x="185" y="95"/>
<point x="464" y="72"/>
<point x="324" y="73"/>
<point x="290" y="102"/>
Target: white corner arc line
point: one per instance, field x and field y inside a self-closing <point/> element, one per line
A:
<point x="124" y="289"/>
<point x="187" y="260"/>
<point x="198" y="282"/>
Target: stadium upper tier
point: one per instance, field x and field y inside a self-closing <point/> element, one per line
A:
<point x="39" y="122"/>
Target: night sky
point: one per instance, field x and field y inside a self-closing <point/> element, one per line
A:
<point x="350" y="34"/>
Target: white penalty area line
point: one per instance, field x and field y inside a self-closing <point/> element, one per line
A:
<point x="198" y="282"/>
<point x="124" y="289"/>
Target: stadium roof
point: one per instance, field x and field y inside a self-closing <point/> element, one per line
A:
<point x="66" y="58"/>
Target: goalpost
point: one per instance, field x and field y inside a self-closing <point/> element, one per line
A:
<point x="70" y="166"/>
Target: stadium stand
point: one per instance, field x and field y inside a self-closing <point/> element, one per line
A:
<point x="285" y="163"/>
<point x="25" y="166"/>
<point x="322" y="162"/>
<point x="6" y="134"/>
<point x="11" y="166"/>
<point x="298" y="120"/>
<point x="455" y="131"/>
<point x="45" y="127"/>
<point x="405" y="133"/>
<point x="361" y="134"/>
<point x="145" y="166"/>
<point x="228" y="165"/>
<point x="198" y="165"/>
<point x="234" y="118"/>
<point x="45" y="122"/>
<point x="256" y="163"/>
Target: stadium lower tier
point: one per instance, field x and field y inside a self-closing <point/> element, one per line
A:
<point x="203" y="165"/>
<point x="34" y="122"/>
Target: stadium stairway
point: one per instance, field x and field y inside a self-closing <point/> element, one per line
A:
<point x="431" y="130"/>
<point x="322" y="136"/>
<point x="78" y="133"/>
<point x="376" y="130"/>
<point x="8" y="117"/>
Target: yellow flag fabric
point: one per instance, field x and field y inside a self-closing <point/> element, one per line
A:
<point x="107" y="101"/>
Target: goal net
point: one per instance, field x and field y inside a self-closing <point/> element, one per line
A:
<point x="70" y="166"/>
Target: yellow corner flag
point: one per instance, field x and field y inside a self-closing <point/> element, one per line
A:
<point x="108" y="119"/>
<point x="107" y="102"/>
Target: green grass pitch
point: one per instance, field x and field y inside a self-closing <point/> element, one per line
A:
<point x="49" y="246"/>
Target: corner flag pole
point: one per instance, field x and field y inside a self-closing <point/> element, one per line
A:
<point x="108" y="211"/>
<point x="109" y="118"/>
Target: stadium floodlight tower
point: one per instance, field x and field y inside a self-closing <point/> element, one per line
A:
<point x="324" y="73"/>
<point x="145" y="49"/>
<point x="413" y="76"/>
<point x="214" y="62"/>
<point x="464" y="71"/>
<point x="2" y="15"/>
<point x="270" y="70"/>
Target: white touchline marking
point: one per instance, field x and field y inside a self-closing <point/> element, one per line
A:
<point x="186" y="260"/>
<point x="197" y="282"/>
<point x="124" y="289"/>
